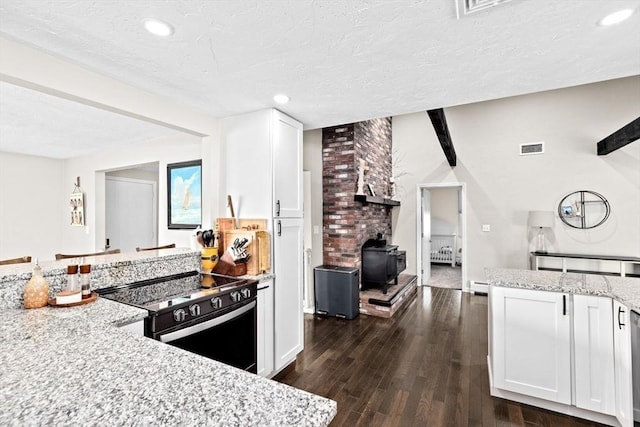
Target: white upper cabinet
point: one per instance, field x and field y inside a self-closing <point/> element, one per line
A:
<point x="263" y="164"/>
<point x="287" y="167"/>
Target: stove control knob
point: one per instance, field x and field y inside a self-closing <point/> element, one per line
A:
<point x="179" y="315"/>
<point x="216" y="303"/>
<point x="246" y="293"/>
<point x="194" y="310"/>
<point x="235" y="296"/>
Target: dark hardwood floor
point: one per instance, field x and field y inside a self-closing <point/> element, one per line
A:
<point x="426" y="366"/>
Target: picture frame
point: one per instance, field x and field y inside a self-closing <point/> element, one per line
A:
<point x="184" y="195"/>
<point x="76" y="204"/>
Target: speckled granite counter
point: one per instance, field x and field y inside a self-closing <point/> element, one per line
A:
<point x="72" y="366"/>
<point x="623" y="289"/>
<point x="106" y="270"/>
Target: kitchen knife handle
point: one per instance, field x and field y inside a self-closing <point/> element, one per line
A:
<point x="279" y="228"/>
<point x="278" y="208"/>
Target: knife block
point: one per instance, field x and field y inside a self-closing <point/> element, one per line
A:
<point x="258" y="248"/>
<point x="229" y="268"/>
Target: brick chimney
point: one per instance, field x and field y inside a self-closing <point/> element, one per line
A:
<point x="347" y="224"/>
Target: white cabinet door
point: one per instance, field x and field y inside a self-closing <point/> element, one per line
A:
<point x="287" y="245"/>
<point x="265" y="328"/>
<point x="622" y="354"/>
<point x="593" y="353"/>
<point x="531" y="343"/>
<point x="287" y="166"/>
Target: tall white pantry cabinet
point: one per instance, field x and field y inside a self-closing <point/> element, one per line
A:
<point x="262" y="154"/>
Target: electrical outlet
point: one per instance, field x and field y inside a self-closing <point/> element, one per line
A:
<point x="486" y="227"/>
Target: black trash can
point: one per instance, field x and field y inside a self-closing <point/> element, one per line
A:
<point x="337" y="291"/>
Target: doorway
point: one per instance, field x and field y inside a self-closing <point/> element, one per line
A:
<point x="441" y="235"/>
<point x="131" y="208"/>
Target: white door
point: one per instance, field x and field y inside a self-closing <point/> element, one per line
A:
<point x="531" y="343"/>
<point x="287" y="167"/>
<point x="426" y="236"/>
<point x="622" y="355"/>
<point x="593" y="353"/>
<point x="130" y="209"/>
<point x="287" y="262"/>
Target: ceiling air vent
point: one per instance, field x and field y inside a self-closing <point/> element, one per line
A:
<point x="465" y="7"/>
<point x="531" y="148"/>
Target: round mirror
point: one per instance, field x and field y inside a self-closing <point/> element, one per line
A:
<point x="584" y="209"/>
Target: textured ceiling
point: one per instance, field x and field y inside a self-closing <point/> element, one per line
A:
<point x="339" y="60"/>
<point x="43" y="125"/>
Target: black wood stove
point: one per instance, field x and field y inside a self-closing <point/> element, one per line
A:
<point x="381" y="263"/>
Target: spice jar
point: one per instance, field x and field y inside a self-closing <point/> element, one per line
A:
<point x="85" y="284"/>
<point x="72" y="279"/>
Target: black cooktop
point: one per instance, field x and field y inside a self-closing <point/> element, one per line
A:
<point x="165" y="292"/>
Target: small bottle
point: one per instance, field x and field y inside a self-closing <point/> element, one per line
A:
<point x="85" y="284"/>
<point x="72" y="278"/>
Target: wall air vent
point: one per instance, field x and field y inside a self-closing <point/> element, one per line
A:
<point x="465" y="7"/>
<point x="531" y="148"/>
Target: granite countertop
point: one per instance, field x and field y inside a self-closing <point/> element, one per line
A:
<point x="625" y="290"/>
<point x="73" y="366"/>
<point x="15" y="271"/>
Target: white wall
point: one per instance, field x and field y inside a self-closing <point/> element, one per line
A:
<point x="33" y="198"/>
<point x="502" y="187"/>
<point x="91" y="170"/>
<point x="312" y="162"/>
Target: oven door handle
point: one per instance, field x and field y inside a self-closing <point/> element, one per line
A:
<point x="172" y="336"/>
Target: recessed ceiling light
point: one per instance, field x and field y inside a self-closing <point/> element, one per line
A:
<point x="158" y="28"/>
<point x="616" y="17"/>
<point x="281" y="99"/>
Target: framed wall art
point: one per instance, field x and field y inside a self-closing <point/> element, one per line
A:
<point x="184" y="198"/>
<point x="76" y="205"/>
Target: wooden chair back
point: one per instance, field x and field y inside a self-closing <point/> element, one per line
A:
<point x="66" y="256"/>
<point x="172" y="245"/>
<point x="22" y="259"/>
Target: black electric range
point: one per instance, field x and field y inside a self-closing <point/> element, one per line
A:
<point x="180" y="300"/>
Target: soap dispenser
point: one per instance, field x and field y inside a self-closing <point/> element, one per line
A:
<point x="36" y="291"/>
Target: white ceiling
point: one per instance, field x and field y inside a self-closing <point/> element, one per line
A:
<point x="339" y="60"/>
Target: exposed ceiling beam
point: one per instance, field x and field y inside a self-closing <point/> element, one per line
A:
<point x="623" y="136"/>
<point x="439" y="122"/>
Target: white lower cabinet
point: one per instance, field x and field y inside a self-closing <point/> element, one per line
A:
<point x="288" y="315"/>
<point x="265" y="328"/>
<point x="561" y="351"/>
<point x="531" y="343"/>
<point x="622" y="351"/>
<point x="593" y="353"/>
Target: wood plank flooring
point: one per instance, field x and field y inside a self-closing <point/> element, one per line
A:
<point x="426" y="366"/>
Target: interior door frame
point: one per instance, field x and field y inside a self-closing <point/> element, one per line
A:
<point x="462" y="187"/>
